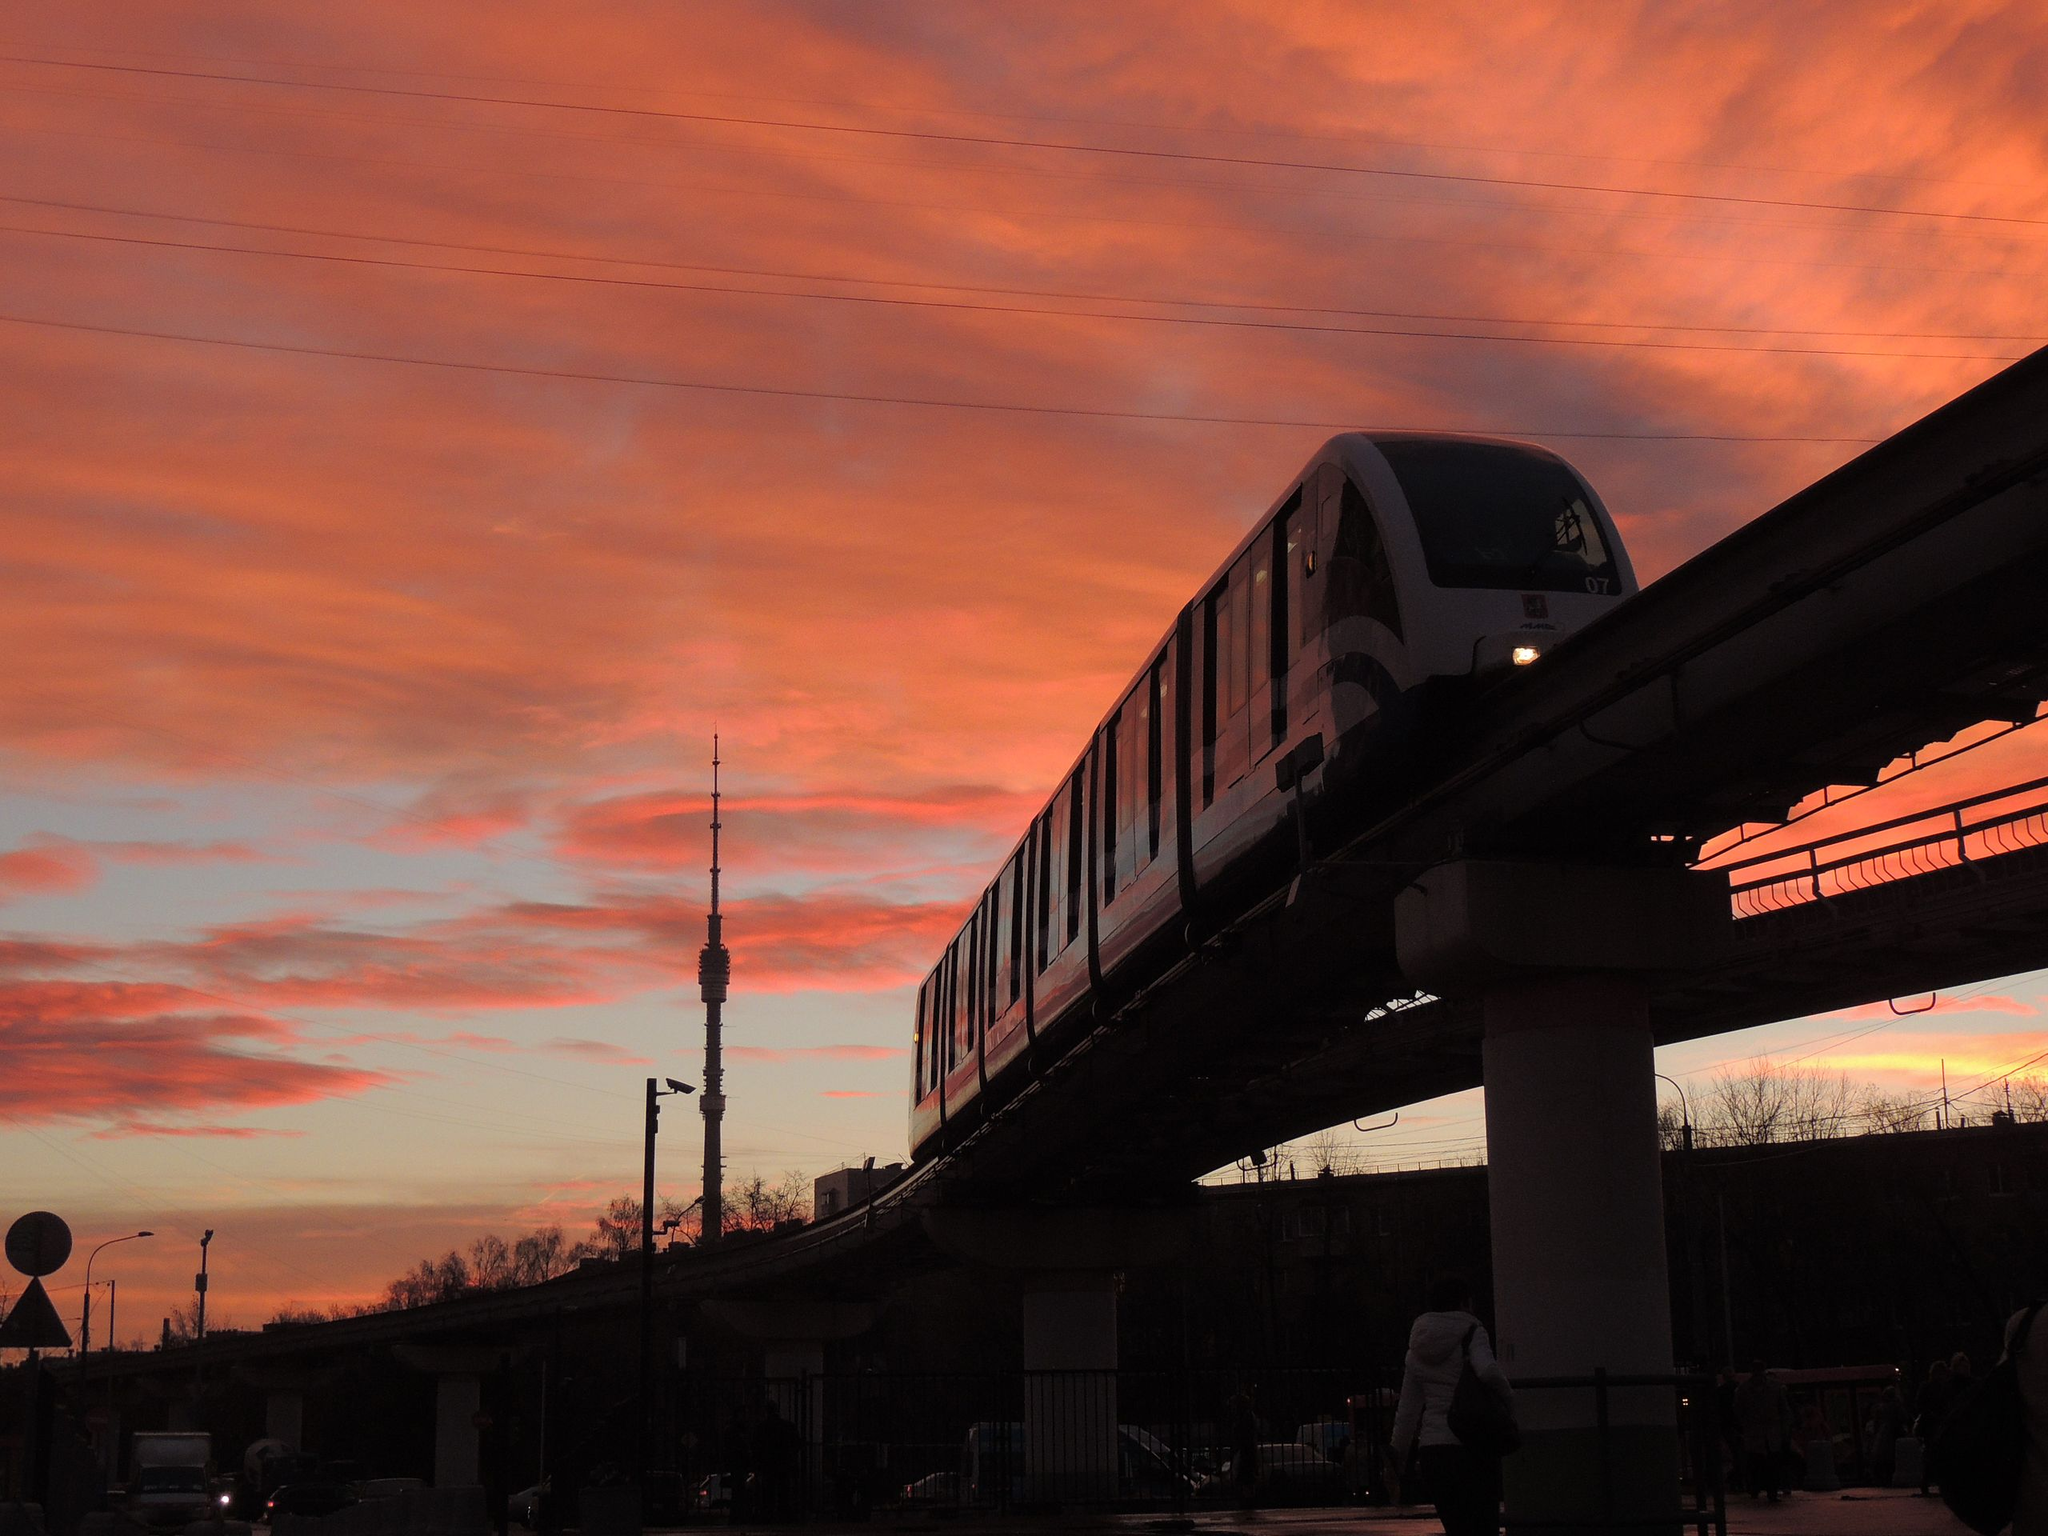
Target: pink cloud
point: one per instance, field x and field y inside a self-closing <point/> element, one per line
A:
<point x="51" y="869"/>
<point x="80" y="1050"/>
<point x="121" y="1130"/>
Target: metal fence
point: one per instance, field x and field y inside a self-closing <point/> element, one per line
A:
<point x="1169" y="1442"/>
<point x="768" y="1447"/>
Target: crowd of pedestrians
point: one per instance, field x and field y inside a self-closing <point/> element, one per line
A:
<point x="1997" y="1437"/>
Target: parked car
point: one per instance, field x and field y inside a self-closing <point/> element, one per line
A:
<point x="714" y="1492"/>
<point x="933" y="1488"/>
<point x="314" y="1499"/>
<point x="523" y="1508"/>
<point x="1294" y="1472"/>
<point x="386" y="1487"/>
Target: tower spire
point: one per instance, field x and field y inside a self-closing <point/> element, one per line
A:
<point x="714" y="971"/>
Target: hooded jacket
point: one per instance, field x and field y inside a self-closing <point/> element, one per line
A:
<point x="1429" y="1376"/>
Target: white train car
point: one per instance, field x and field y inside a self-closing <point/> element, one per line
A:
<point x="1394" y="572"/>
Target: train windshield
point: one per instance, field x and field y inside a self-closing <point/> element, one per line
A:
<point x="1492" y="515"/>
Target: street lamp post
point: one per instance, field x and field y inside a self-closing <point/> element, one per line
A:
<point x="85" y="1340"/>
<point x="655" y="1094"/>
<point x="85" y="1312"/>
<point x="199" y="1285"/>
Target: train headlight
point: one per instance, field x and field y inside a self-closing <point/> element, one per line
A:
<point x="1522" y="655"/>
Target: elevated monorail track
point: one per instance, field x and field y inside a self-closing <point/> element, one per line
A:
<point x="1886" y="607"/>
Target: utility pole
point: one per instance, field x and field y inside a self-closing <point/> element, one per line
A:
<point x="714" y="970"/>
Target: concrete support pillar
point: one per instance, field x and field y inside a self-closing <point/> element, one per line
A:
<point x="793" y="1335"/>
<point x="1069" y="1454"/>
<point x="284" y="1416"/>
<point x="458" y="1400"/>
<point x="1068" y="1262"/>
<point x="1579" y="1274"/>
<point x="1559" y="957"/>
<point x="458" y="1397"/>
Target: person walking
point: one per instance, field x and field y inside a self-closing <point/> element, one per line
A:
<point x="1764" y="1409"/>
<point x="2030" y="1515"/>
<point x="1930" y="1412"/>
<point x="1462" y="1483"/>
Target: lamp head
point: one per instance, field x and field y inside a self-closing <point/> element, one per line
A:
<point x="145" y="1234"/>
<point x="676" y="1087"/>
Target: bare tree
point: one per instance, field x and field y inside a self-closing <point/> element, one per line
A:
<point x="1886" y="1112"/>
<point x="1760" y="1103"/>
<point x="2030" y="1100"/>
<point x="490" y="1262"/>
<point x="540" y="1255"/>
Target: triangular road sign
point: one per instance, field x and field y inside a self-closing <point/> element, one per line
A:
<point x="34" y="1324"/>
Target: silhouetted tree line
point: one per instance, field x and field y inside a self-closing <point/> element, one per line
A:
<point x="1762" y="1103"/>
<point x="492" y="1264"/>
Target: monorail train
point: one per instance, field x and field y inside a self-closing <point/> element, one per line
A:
<point x="1395" y="573"/>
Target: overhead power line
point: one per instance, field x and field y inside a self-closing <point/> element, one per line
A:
<point x="1060" y="146"/>
<point x="933" y="402"/>
<point x="1256" y="306"/>
<point x="965" y="307"/>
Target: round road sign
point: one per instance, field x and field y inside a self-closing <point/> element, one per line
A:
<point x="39" y="1243"/>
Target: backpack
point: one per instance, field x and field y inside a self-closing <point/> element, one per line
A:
<point x="1478" y="1415"/>
<point x="1978" y="1456"/>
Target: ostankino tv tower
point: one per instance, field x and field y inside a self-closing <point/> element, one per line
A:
<point x="714" y="970"/>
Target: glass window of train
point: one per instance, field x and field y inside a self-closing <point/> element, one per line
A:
<point x="1236" y="669"/>
<point x="1112" y="809"/>
<point x="917" y="1038"/>
<point x="1258" y="650"/>
<point x="973" y="989"/>
<point x="1496" y="516"/>
<point x="1047" y="884"/>
<point x="1361" y="579"/>
<point x="1159" y="691"/>
<point x="1017" y="882"/>
<point x="1214" y="620"/>
<point x="995" y="952"/>
<point x="1282" y="648"/>
<point x="1321" y="512"/>
<point x="1077" y="816"/>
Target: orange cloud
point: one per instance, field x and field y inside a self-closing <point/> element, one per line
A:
<point x="78" y="1050"/>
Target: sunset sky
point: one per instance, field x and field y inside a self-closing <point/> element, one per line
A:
<point x="422" y="426"/>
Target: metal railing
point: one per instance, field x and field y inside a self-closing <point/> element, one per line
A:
<point x="1945" y="837"/>
<point x="1177" y="1442"/>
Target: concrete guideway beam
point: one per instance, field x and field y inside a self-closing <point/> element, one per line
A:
<point x="1559" y="957"/>
<point x="1069" y="1261"/>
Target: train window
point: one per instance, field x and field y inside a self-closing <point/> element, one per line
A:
<point x="1157" y="686"/>
<point x="1302" y="557"/>
<point x="995" y="953"/>
<point x="1361" y="579"/>
<point x="947" y="1004"/>
<point x="1047" y="884"/>
<point x="972" y="1021"/>
<point x="1112" y="806"/>
<point x="1236" y="671"/>
<point x="1077" y="811"/>
<point x="917" y="1039"/>
<point x="1017" y="922"/>
<point x="1215" y="612"/>
<point x="1497" y="516"/>
<point x="1258" y="650"/>
<point x="1278" y="646"/>
<point x="1054" y="884"/>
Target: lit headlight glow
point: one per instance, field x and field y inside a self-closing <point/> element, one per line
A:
<point x="1522" y="655"/>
